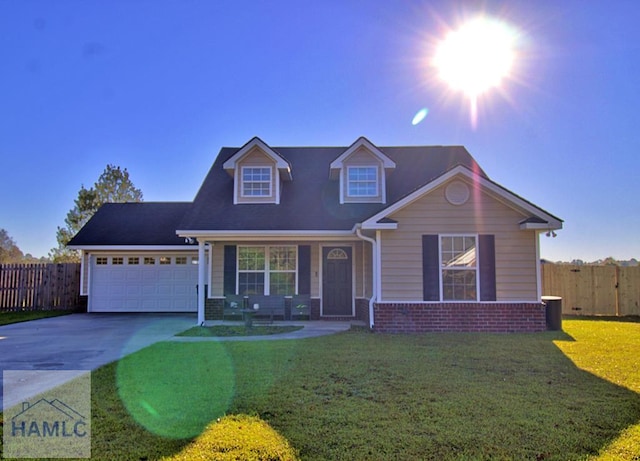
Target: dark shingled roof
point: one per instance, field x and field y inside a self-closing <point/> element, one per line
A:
<point x="144" y="223"/>
<point x="311" y="200"/>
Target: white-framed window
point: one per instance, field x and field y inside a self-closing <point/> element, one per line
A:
<point x="256" y="181"/>
<point x="165" y="260"/>
<point x="133" y="260"/>
<point x="117" y="261"/>
<point x="362" y="181"/>
<point x="251" y="270"/>
<point x="270" y="270"/>
<point x="181" y="260"/>
<point x="459" y="267"/>
<point x="102" y="261"/>
<point x="282" y="270"/>
<point x="149" y="261"/>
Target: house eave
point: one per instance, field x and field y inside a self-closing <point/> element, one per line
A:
<point x="262" y="235"/>
<point x="541" y="226"/>
<point x="379" y="226"/>
<point x="386" y="162"/>
<point x="133" y="247"/>
<point x="281" y="164"/>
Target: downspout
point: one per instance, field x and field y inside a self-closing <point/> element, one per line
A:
<point x="374" y="276"/>
<point x="201" y="281"/>
<point x="538" y="268"/>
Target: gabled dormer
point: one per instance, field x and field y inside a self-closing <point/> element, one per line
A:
<point x="362" y="170"/>
<point x="258" y="172"/>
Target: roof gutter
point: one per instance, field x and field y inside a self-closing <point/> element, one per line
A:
<point x="374" y="257"/>
<point x="248" y="235"/>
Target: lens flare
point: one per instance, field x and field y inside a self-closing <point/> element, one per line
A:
<point x="420" y="116"/>
<point x="169" y="395"/>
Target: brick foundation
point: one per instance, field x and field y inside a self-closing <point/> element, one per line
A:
<point x="315" y="309"/>
<point x="362" y="310"/>
<point x="432" y="317"/>
<point x="213" y="308"/>
<point x="462" y="317"/>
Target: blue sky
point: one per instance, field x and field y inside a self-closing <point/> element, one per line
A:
<point x="158" y="87"/>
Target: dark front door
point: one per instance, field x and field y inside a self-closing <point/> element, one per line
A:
<point x="337" y="297"/>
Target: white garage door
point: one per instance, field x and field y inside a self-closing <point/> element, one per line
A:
<point x="143" y="283"/>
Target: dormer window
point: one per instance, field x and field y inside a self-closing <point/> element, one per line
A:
<point x="362" y="170"/>
<point x="362" y="181"/>
<point x="256" y="182"/>
<point x="258" y="172"/>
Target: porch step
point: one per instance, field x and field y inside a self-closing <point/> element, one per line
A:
<point x="359" y="325"/>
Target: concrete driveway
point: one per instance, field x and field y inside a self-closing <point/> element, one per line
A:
<point x="77" y="342"/>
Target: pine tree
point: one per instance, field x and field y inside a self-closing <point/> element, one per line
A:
<point x="113" y="186"/>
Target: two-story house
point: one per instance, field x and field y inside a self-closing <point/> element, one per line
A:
<point x="414" y="238"/>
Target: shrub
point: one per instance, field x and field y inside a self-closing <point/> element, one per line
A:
<point x="238" y="437"/>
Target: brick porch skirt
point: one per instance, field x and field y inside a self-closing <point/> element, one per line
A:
<point x="482" y="317"/>
<point x="213" y="308"/>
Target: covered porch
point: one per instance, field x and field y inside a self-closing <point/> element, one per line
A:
<point x="284" y="279"/>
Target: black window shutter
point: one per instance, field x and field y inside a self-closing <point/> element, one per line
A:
<point x="487" y="267"/>
<point x="430" y="269"/>
<point x="304" y="269"/>
<point x="229" y="270"/>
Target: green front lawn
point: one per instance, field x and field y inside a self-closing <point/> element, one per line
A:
<point x="357" y="395"/>
<point x="23" y="316"/>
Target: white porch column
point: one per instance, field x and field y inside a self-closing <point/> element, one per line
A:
<point x="378" y="265"/>
<point x="202" y="266"/>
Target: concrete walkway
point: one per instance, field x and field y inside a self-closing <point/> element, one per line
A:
<point x="84" y="342"/>
<point x="310" y="329"/>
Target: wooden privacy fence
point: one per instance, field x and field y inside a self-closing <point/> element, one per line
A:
<point x="34" y="287"/>
<point x="593" y="290"/>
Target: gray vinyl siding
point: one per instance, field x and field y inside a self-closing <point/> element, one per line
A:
<point x="217" y="270"/>
<point x="482" y="214"/>
<point x="364" y="269"/>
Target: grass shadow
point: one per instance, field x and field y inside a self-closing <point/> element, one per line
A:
<point x="560" y="336"/>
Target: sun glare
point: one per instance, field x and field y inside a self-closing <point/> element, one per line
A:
<point x="476" y="57"/>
